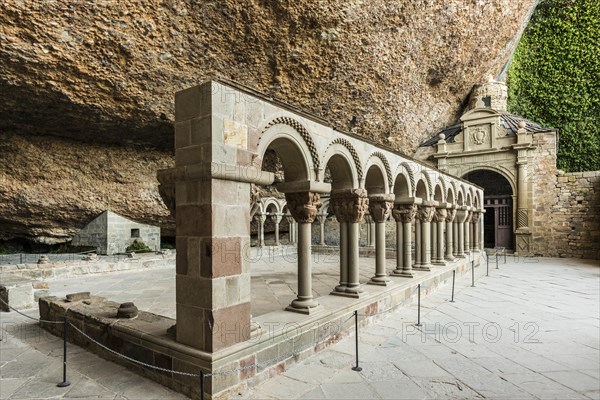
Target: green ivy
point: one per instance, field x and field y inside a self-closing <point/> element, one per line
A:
<point x="554" y="78"/>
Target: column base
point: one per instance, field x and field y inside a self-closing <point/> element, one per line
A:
<point x="439" y="262"/>
<point x="403" y="274"/>
<point x="380" y="280"/>
<point x="422" y="268"/>
<point x="450" y="259"/>
<point x="345" y="294"/>
<point x="307" y="311"/>
<point x="340" y="288"/>
<point x="461" y="256"/>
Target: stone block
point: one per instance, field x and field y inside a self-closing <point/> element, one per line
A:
<point x="194" y="291"/>
<point x="190" y="155"/>
<point x="221" y="257"/>
<point x="182" y="134"/>
<point x="194" y="220"/>
<point x="201" y="130"/>
<point x="231" y="325"/>
<point x="18" y="295"/>
<point x="193" y="102"/>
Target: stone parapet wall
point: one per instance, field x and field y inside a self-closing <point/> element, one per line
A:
<point x="573" y="229"/>
<point x="566" y="206"/>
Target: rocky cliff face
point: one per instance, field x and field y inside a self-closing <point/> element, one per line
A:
<point x="104" y="72"/>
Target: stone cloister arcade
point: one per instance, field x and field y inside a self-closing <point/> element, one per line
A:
<point x="222" y="134"/>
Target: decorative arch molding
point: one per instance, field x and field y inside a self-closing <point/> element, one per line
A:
<point x="428" y="182"/>
<point x="454" y="191"/>
<point x="442" y="187"/>
<point x="386" y="164"/>
<point x="409" y="175"/>
<point x="346" y="143"/>
<point x="298" y="127"/>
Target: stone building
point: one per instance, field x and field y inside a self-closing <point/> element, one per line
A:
<point x="111" y="233"/>
<point x="531" y="206"/>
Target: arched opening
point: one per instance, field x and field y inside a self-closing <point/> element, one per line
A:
<point x="374" y="181"/>
<point x="438" y="196"/>
<point x="401" y="187"/>
<point x="497" y="201"/>
<point x="421" y="190"/>
<point x="339" y="173"/>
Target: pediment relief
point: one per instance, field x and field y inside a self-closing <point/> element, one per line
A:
<point x="479" y="113"/>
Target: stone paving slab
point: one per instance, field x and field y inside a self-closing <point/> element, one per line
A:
<point x="521" y="346"/>
<point x="560" y="359"/>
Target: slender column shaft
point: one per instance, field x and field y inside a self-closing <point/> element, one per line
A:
<point x="461" y="240"/>
<point x="372" y="235"/>
<point x="407" y="237"/>
<point x="425" y="245"/>
<point x="343" y="257"/>
<point x="434" y="253"/>
<point x="418" y="250"/>
<point x="261" y="231"/>
<point x="305" y="297"/>
<point x="277" y="231"/>
<point x="353" y="275"/>
<point x="467" y="240"/>
<point x="455" y="235"/>
<point x="440" y="242"/>
<point x="322" y="233"/>
<point x="399" y="247"/>
<point x="449" y="241"/>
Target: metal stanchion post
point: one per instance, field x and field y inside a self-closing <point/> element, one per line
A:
<point x="504" y="251"/>
<point x="201" y="385"/>
<point x="65" y="382"/>
<point x="472" y="273"/>
<point x="356" y="367"/>
<point x="453" y="278"/>
<point x="487" y="264"/>
<point x="418" y="305"/>
<point x="496" y="260"/>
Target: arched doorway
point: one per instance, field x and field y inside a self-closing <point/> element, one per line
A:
<point x="498" y="217"/>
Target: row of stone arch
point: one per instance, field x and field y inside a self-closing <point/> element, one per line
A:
<point x="350" y="168"/>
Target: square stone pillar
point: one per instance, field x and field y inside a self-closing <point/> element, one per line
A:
<point x="212" y="179"/>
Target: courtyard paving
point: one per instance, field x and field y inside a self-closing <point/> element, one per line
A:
<point x="530" y="330"/>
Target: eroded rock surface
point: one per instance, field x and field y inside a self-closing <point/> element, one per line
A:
<point x="106" y="71"/>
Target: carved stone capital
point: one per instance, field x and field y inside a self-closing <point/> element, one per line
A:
<point x="451" y="215"/>
<point x="469" y="217"/>
<point x="440" y="215"/>
<point x="404" y="213"/>
<point x="461" y="216"/>
<point x="425" y="213"/>
<point x="476" y="216"/>
<point x="349" y="205"/>
<point x="303" y="205"/>
<point x="380" y="207"/>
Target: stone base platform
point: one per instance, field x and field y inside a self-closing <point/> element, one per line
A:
<point x="278" y="339"/>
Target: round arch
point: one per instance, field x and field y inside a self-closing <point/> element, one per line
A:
<point x="342" y="167"/>
<point x="291" y="149"/>
<point x="422" y="189"/>
<point x="375" y="180"/>
<point x="499" y="202"/>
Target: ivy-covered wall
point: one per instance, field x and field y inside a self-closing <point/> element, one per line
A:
<point x="554" y="78"/>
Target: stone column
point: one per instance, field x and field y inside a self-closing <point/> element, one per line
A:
<point x="291" y="224"/>
<point x="439" y="218"/>
<point x="425" y="215"/>
<point x="370" y="230"/>
<point x="380" y="208"/>
<point x="349" y="207"/>
<point x="277" y="219"/>
<point x="449" y="234"/>
<point x="467" y="228"/>
<point x="418" y="251"/>
<point x="404" y="214"/>
<point x="304" y="206"/>
<point x="461" y="217"/>
<point x="433" y="240"/>
<point x="322" y="218"/>
<point x="476" y="235"/>
<point x="261" y="230"/>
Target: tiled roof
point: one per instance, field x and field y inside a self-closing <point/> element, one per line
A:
<point x="509" y="122"/>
